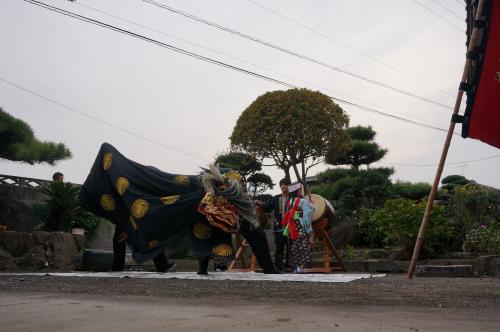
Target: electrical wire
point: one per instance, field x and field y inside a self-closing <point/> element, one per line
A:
<point x="439" y="16"/>
<point x="448" y="163"/>
<point x="449" y="10"/>
<point x="347" y="46"/>
<point x="296" y="54"/>
<point x="106" y="123"/>
<point x="241" y="60"/>
<point x="203" y="58"/>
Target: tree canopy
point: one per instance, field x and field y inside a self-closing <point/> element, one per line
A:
<point x="18" y="143"/>
<point x="248" y="166"/>
<point x="294" y="128"/>
<point x="363" y="151"/>
<point x="258" y="183"/>
<point x="244" y="163"/>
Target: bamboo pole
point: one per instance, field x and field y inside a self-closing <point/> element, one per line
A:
<point x="451" y="128"/>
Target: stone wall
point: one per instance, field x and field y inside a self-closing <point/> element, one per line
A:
<point x="26" y="195"/>
<point x="16" y="204"/>
<point x="40" y="251"/>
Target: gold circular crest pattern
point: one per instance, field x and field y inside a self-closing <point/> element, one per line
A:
<point x="152" y="244"/>
<point x="122" y="185"/>
<point x="167" y="200"/>
<point x="202" y="231"/>
<point x="182" y="179"/>
<point x="107" y="202"/>
<point x="107" y="160"/>
<point x="139" y="208"/>
<point x="222" y="250"/>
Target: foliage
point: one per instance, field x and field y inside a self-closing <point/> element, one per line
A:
<point x="372" y="233"/>
<point x="334" y="191"/>
<point x="484" y="239"/>
<point x="243" y="163"/>
<point x="247" y="166"/>
<point x="264" y="197"/>
<point x="399" y="221"/>
<point x="294" y="128"/>
<point x="62" y="205"/>
<point x="370" y="189"/>
<point x="348" y="252"/>
<point x="456" y="179"/>
<point x="258" y="183"/>
<point x="335" y="182"/>
<point x="60" y="212"/>
<point x="334" y="174"/>
<point x="18" y="143"/>
<point x="87" y="221"/>
<point x="410" y="190"/>
<point x="363" y="150"/>
<point x="450" y="182"/>
<point x="469" y="207"/>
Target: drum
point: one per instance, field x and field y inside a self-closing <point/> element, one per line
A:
<point x="323" y="209"/>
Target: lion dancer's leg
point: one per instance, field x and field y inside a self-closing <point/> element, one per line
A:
<point x="203" y="264"/>
<point x="119" y="251"/>
<point x="257" y="239"/>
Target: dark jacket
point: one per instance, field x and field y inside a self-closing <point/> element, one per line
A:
<point x="275" y="205"/>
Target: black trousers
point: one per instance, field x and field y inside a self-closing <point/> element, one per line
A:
<point x="120" y="250"/>
<point x="281" y="242"/>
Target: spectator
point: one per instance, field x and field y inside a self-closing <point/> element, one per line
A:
<point x="58" y="177"/>
<point x="278" y="205"/>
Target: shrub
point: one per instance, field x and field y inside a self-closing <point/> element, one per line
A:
<point x="469" y="207"/>
<point x="87" y="221"/>
<point x="332" y="175"/>
<point x="60" y="212"/>
<point x="370" y="189"/>
<point x="323" y="189"/>
<point x="372" y="234"/>
<point x="410" y="190"/>
<point x="400" y="221"/>
<point x="455" y="179"/>
<point x="484" y="239"/>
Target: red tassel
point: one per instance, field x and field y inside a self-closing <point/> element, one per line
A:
<point x="293" y="230"/>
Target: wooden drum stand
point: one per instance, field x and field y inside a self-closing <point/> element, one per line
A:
<point x="320" y="231"/>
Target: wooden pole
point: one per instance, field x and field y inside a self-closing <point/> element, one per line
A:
<point x="451" y="128"/>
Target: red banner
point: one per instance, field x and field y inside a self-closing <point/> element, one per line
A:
<point x="483" y="111"/>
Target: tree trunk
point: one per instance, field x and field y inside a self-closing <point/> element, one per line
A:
<point x="287" y="173"/>
<point x="297" y="174"/>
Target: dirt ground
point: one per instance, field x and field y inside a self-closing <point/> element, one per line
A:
<point x="391" y="303"/>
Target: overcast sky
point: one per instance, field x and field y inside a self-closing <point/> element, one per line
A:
<point x="191" y="106"/>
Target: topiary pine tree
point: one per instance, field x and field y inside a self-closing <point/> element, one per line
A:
<point x="363" y="151"/>
<point x="18" y="143"/>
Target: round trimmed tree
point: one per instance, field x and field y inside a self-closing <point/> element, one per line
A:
<point x="294" y="128"/>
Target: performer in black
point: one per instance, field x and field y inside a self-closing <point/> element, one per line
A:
<point x="151" y="206"/>
<point x="278" y="205"/>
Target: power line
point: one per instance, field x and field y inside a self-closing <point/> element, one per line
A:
<point x="439" y="16"/>
<point x="448" y="10"/>
<point x="223" y="64"/>
<point x="294" y="53"/>
<point x="448" y="163"/>
<point x="496" y="167"/>
<point x="109" y="124"/>
<point x="347" y="46"/>
<point x="239" y="59"/>
<point x="460" y="2"/>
